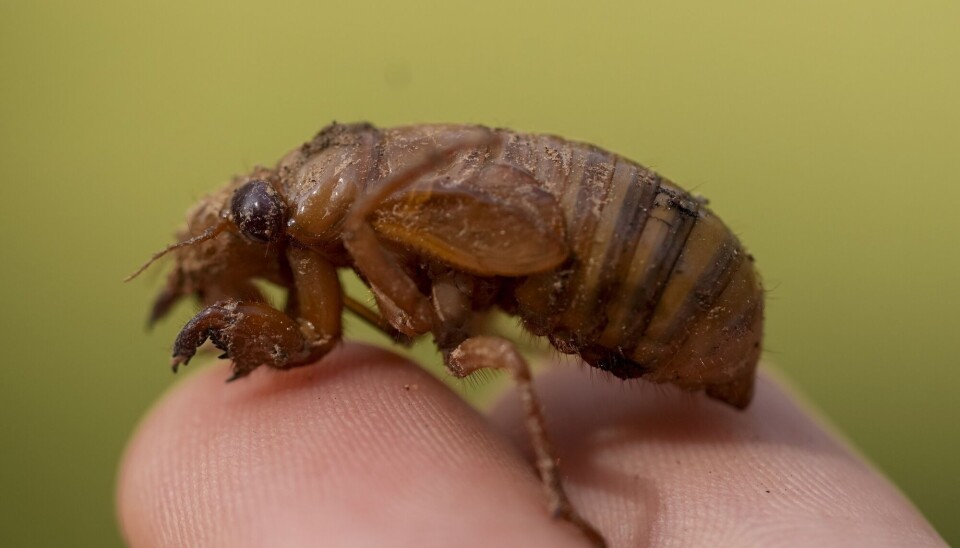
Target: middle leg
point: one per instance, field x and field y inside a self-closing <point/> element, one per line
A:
<point x="400" y="301"/>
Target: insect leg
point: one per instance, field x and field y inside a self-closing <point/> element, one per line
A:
<point x="374" y="320"/>
<point x="493" y="352"/>
<point x="252" y="333"/>
<point x="319" y="298"/>
<point x="400" y="301"/>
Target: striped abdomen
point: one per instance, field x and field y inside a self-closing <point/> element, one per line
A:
<point x="656" y="287"/>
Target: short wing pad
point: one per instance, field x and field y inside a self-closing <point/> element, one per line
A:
<point x="498" y="222"/>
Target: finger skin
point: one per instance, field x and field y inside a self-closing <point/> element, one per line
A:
<point x="362" y="449"/>
<point x="652" y="466"/>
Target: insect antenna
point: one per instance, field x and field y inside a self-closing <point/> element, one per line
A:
<point x="207" y="234"/>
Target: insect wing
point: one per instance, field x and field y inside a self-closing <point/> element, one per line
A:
<point x="499" y="222"/>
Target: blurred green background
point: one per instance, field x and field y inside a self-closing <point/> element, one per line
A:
<point x="826" y="133"/>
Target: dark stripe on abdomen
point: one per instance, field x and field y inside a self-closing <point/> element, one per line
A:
<point x="707" y="265"/>
<point x="631" y="220"/>
<point x="659" y="247"/>
<point x="596" y="255"/>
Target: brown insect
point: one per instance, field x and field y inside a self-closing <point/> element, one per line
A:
<point x="444" y="223"/>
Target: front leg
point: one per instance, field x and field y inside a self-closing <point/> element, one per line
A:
<point x="251" y="334"/>
<point x="254" y="334"/>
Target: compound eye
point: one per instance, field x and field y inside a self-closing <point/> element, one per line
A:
<point x="258" y="211"/>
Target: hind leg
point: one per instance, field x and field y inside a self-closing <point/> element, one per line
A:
<point x="495" y="353"/>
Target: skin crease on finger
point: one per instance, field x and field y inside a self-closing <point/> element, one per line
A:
<point x="365" y="449"/>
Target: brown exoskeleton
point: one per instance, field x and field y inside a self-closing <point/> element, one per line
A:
<point x="443" y="223"/>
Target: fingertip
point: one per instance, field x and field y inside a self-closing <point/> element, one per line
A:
<point x="364" y="448"/>
<point x="204" y="439"/>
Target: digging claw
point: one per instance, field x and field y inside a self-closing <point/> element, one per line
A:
<point x="237" y="374"/>
<point x="250" y="334"/>
<point x="178" y="361"/>
<point x="208" y="324"/>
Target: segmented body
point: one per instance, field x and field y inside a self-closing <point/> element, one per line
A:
<point x="654" y="286"/>
<point x="604" y="257"/>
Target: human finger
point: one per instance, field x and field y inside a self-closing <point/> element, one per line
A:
<point x="362" y="449"/>
<point x="653" y="466"/>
